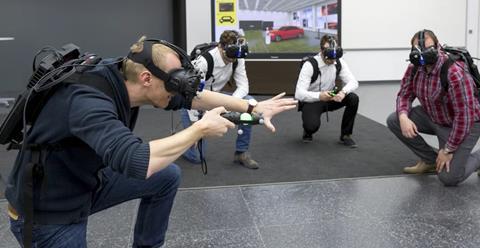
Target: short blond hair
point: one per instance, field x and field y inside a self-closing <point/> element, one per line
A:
<point x="159" y="53"/>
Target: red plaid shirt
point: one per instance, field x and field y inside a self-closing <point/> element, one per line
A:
<point x="458" y="108"/>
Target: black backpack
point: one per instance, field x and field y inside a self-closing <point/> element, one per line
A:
<point x="455" y="54"/>
<point x="202" y="50"/>
<point x="65" y="65"/>
<point x="316" y="72"/>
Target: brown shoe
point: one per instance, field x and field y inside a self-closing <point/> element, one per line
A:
<point x="420" y="168"/>
<point x="245" y="160"/>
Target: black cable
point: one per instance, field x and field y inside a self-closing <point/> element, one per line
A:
<point x="203" y="161"/>
<point x="25" y="119"/>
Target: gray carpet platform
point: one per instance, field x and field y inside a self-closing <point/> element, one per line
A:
<point x="283" y="157"/>
<point x="402" y="211"/>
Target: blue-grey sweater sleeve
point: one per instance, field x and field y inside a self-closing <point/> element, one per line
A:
<point x="93" y="119"/>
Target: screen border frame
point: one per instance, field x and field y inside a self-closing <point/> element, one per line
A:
<point x="280" y="56"/>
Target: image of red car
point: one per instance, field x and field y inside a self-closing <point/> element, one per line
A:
<point x="286" y="32"/>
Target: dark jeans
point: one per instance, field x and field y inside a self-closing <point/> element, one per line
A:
<point x="241" y="145"/>
<point x="157" y="194"/>
<point x="311" y="113"/>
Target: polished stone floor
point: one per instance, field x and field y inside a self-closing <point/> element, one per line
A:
<point x="402" y="211"/>
<point x="399" y="211"/>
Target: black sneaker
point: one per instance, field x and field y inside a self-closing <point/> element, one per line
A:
<point x="307" y="138"/>
<point x="346" y="140"/>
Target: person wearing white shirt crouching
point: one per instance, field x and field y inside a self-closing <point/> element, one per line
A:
<point x="326" y="84"/>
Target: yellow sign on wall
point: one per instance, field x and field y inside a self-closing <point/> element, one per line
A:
<point x="226" y="12"/>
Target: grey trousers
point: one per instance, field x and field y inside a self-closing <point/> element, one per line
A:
<point x="464" y="162"/>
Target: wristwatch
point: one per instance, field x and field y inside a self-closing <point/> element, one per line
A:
<point x="446" y="151"/>
<point x="251" y="104"/>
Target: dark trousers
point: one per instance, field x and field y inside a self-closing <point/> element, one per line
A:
<point x="464" y="162"/>
<point x="156" y="193"/>
<point x="311" y="113"/>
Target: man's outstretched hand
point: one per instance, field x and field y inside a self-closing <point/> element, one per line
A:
<point x="269" y="108"/>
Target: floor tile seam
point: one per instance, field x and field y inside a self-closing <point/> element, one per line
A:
<point x="316" y="181"/>
<point x="209" y="230"/>
<point x="251" y="216"/>
<point x="375" y="219"/>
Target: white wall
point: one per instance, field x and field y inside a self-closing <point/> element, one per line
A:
<point x="199" y="22"/>
<point x="368" y="64"/>
<point x="389" y="24"/>
<point x="278" y="18"/>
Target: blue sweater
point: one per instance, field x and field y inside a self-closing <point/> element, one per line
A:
<point x="98" y="137"/>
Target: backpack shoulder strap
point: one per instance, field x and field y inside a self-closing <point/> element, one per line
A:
<point x="96" y="81"/>
<point x="234" y="66"/>
<point x="444" y="71"/>
<point x="316" y="71"/>
<point x="338" y="66"/>
<point x="208" y="57"/>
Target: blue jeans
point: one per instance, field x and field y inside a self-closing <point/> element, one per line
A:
<point x="157" y="194"/>
<point x="242" y="143"/>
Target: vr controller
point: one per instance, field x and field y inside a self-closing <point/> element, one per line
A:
<point x="333" y="92"/>
<point x="242" y="118"/>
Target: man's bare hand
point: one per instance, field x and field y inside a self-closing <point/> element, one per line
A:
<point x="409" y="129"/>
<point x="443" y="161"/>
<point x="325" y="96"/>
<point x="212" y="124"/>
<point x="339" y="96"/>
<point x="269" y="108"/>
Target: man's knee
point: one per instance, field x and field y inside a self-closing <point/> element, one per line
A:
<point x="449" y="179"/>
<point x="392" y="121"/>
<point x="352" y="99"/>
<point x="172" y="174"/>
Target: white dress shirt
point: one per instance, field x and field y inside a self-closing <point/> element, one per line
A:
<point x="222" y="73"/>
<point x="307" y="92"/>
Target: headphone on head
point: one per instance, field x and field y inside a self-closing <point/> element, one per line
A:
<point x="184" y="81"/>
<point x="238" y="50"/>
<point x="332" y="51"/>
<point x="421" y="55"/>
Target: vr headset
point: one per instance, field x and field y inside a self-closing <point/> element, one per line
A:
<point x="184" y="81"/>
<point x="421" y="55"/>
<point x="239" y="50"/>
<point x="332" y="51"/>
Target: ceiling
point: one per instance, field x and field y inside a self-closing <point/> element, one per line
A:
<point x="277" y="5"/>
